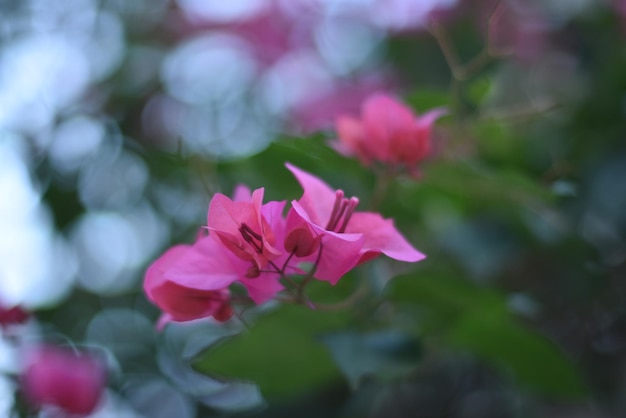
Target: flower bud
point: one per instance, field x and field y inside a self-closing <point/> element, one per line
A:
<point x="301" y="242"/>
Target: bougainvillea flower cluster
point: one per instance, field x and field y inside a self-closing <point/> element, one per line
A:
<point x="258" y="246"/>
<point x="388" y="132"/>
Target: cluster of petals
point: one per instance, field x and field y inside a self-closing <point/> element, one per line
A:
<point x="387" y="132"/>
<point x="63" y="379"/>
<point x="254" y="244"/>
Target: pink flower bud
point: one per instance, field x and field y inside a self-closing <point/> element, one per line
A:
<point x="62" y="378"/>
<point x="302" y="242"/>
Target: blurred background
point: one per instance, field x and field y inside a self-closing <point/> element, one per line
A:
<point x="120" y="118"/>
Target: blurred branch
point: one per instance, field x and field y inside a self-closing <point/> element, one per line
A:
<point x="521" y="113"/>
<point x="490" y="50"/>
<point x="460" y="72"/>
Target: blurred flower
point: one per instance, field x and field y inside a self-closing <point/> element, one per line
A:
<point x="319" y="112"/>
<point x="520" y="30"/>
<point x="60" y="377"/>
<point x="401" y="15"/>
<point x="388" y="132"/>
<point x="348" y="237"/>
<point x="13" y="315"/>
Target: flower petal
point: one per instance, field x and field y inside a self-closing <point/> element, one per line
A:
<point x="262" y="288"/>
<point x="340" y="252"/>
<point x="385" y="119"/>
<point x="227" y="215"/>
<point x="351" y="138"/>
<point x="429" y="118"/>
<point x="241" y="193"/>
<point x="381" y="236"/>
<point x="186" y="304"/>
<point x="318" y="197"/>
<point x="204" y="266"/>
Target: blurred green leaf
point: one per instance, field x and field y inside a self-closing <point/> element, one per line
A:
<point x="444" y="294"/>
<point x="471" y="187"/>
<point x="425" y="100"/>
<point x="499" y="144"/>
<point x="477" y="319"/>
<point x="478" y="89"/>
<point x="313" y="154"/>
<point x="534" y="361"/>
<point x="472" y="180"/>
<point x="280" y="352"/>
<point x="386" y="354"/>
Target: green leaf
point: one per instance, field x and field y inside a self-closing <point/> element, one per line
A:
<point x="387" y="354"/>
<point x="532" y="360"/>
<point x="472" y="187"/>
<point x="477" y="320"/>
<point x="473" y="180"/>
<point x="313" y="154"/>
<point x="498" y="143"/>
<point x="445" y="295"/>
<point x="280" y="352"/>
<point x="478" y="89"/>
<point x="425" y="100"/>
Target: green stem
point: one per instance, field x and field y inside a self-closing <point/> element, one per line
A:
<point x="383" y="181"/>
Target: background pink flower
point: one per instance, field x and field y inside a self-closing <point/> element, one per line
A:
<point x="387" y="132"/>
<point x="62" y="378"/>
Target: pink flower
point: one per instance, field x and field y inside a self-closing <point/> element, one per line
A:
<point x="242" y="228"/>
<point x="347" y="238"/>
<point x="191" y="281"/>
<point x="14" y="315"/>
<point x="188" y="282"/>
<point x="63" y="379"/>
<point x="318" y="112"/>
<point x="388" y="132"/>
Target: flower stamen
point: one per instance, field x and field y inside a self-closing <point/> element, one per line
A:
<point x="350" y="206"/>
<point x="343" y="208"/>
<point x="251" y="237"/>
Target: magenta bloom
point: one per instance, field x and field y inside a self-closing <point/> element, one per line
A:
<point x="348" y="238"/>
<point x="388" y="132"/>
<point x="190" y="282"/>
<point x="242" y="228"/>
<point x="61" y="378"/>
<point x="14" y="315"/>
